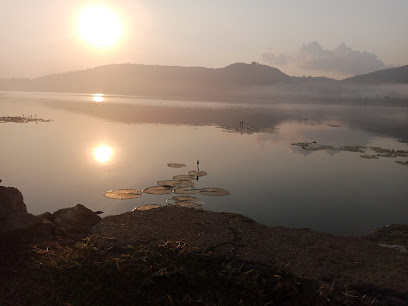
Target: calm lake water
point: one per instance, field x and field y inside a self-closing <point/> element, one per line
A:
<point x="126" y="142"/>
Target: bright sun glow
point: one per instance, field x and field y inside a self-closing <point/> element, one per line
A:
<point x="98" y="98"/>
<point x="99" y="26"/>
<point x="103" y="153"/>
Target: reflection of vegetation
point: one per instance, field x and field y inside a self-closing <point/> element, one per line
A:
<point x="123" y="194"/>
<point x="402" y="163"/>
<point x="376" y="152"/>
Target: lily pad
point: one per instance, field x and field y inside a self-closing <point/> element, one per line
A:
<point x="146" y="207"/>
<point x="158" y="190"/>
<point x="214" y="191"/>
<point x="186" y="190"/>
<point x="188" y="204"/>
<point x="166" y="183"/>
<point x="197" y="173"/>
<point x="176" y="165"/>
<point x="175" y="183"/>
<point x="123" y="194"/>
<point x="184" y="177"/>
<point x="184" y="184"/>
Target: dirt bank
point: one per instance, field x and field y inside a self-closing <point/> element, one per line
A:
<point x="376" y="262"/>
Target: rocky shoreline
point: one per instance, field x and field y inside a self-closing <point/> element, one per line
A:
<point x="375" y="265"/>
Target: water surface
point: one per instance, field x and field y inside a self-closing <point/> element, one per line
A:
<point x="127" y="142"/>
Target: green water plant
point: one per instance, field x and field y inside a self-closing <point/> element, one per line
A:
<point x="146" y="207"/>
<point x="158" y="190"/>
<point x="123" y="194"/>
<point x="210" y="191"/>
<point x="176" y="165"/>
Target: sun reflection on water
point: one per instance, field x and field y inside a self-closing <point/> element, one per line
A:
<point x="103" y="153"/>
<point x="98" y="98"/>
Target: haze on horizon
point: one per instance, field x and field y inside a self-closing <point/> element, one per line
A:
<point x="335" y="39"/>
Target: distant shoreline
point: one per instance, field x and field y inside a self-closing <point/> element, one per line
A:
<point x="237" y="82"/>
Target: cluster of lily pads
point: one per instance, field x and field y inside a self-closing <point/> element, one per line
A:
<point x="22" y="119"/>
<point x="181" y="185"/>
<point x="369" y="152"/>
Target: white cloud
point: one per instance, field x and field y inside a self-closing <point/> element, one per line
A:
<point x="271" y="58"/>
<point x="342" y="60"/>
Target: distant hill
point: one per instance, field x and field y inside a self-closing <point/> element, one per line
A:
<point x="150" y="80"/>
<point x="236" y="82"/>
<point x="387" y="76"/>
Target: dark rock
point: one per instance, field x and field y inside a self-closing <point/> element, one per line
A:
<point x="43" y="231"/>
<point x="47" y="216"/>
<point x="19" y="222"/>
<point x="394" y="234"/>
<point x="11" y="202"/>
<point x="75" y="222"/>
<point x="16" y="225"/>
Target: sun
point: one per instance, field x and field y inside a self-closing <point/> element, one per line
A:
<point x="99" y="26"/>
<point x="103" y="153"/>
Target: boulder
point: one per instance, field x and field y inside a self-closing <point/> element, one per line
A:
<point x="16" y="225"/>
<point x="47" y="216"/>
<point x="75" y="222"/>
<point x="11" y="202"/>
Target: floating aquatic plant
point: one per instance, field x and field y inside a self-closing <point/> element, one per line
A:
<point x="146" y="207"/>
<point x="183" y="177"/>
<point x="402" y="163"/>
<point x="175" y="183"/>
<point x="358" y="149"/>
<point x="197" y="173"/>
<point x="188" y="204"/>
<point x="123" y="194"/>
<point x="184" y="184"/>
<point x="166" y="183"/>
<point x="368" y="156"/>
<point x="158" y="190"/>
<point x="214" y="191"/>
<point x="381" y="152"/>
<point x="176" y="165"/>
<point x="22" y="119"/>
<point x="178" y="199"/>
<point x="186" y="190"/>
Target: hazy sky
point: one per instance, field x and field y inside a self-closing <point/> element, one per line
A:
<point x="334" y="38"/>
